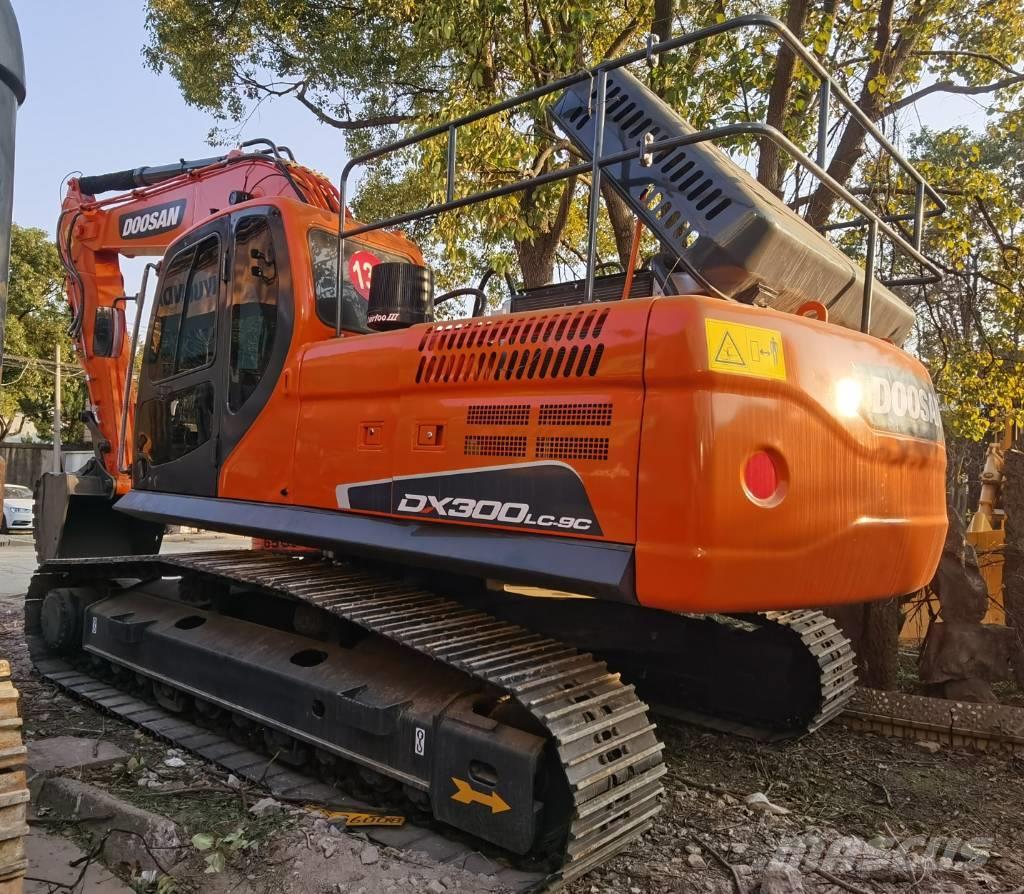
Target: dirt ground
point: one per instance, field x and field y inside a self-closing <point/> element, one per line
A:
<point x="837" y="811"/>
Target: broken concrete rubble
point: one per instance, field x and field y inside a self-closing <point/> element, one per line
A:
<point x="71" y="752"/>
<point x="133" y="837"/>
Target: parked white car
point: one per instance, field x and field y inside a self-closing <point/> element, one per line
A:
<point x="18" y="514"/>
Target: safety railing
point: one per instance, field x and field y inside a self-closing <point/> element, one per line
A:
<point x="828" y="90"/>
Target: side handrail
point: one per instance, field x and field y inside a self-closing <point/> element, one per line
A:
<point x="828" y="89"/>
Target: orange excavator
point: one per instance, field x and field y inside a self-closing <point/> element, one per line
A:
<point x="663" y="472"/>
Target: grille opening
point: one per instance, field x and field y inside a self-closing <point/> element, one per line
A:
<point x="681" y="172"/>
<point x="680" y="156"/>
<point x="465" y="352"/>
<point x="494" y="445"/>
<point x="497" y="414"/>
<point x="569" y="447"/>
<point x="640" y="128"/>
<point x="627" y="109"/>
<point x="575" y="414"/>
<point x="689" y="181"/>
<point x="708" y="199"/>
<point x="698" y="190"/>
<point x="718" y="209"/>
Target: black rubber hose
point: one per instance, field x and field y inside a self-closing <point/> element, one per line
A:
<point x="479" y="295"/>
<point x="120" y="180"/>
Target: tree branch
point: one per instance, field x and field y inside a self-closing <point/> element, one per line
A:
<point x="769" y="161"/>
<point x="622" y="38"/>
<point x="350" y="124"/>
<point x="950" y="87"/>
<point x="299" y="91"/>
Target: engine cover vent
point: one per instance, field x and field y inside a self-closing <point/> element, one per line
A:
<point x="575" y="414"/>
<point x="498" y="414"/>
<point x="572" y="448"/>
<point x="504" y="348"/>
<point x="495" y="445"/>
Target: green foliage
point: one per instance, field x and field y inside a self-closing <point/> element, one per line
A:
<point x="37" y="320"/>
<point x="970" y="328"/>
<point x="218" y="850"/>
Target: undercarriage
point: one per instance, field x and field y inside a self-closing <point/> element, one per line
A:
<point x="513" y="737"/>
<point x="470" y="707"/>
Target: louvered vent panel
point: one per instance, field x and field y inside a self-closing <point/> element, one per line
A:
<point x="572" y="448"/>
<point x="501" y="349"/>
<point x="498" y="414"/>
<point x="575" y="414"/>
<point x="495" y="445"/>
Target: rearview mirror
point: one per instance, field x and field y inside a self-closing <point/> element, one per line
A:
<point x="108" y="331"/>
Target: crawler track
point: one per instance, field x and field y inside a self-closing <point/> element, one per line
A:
<point x="614" y="785"/>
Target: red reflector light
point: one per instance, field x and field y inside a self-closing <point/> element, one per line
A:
<point x="761" y="476"/>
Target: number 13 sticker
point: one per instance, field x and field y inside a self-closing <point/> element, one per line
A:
<point x="360" y="270"/>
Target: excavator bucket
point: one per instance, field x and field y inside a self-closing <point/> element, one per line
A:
<point x="76" y="519"/>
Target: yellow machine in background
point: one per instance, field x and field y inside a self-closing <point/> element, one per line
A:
<point x="987" y="535"/>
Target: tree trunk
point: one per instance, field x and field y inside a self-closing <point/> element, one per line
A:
<point x="889" y="62"/>
<point x="536" y="260"/>
<point x="770" y="166"/>
<point x="536" y="255"/>
<point x="880" y="650"/>
<point x="622" y="220"/>
<point x="873" y="629"/>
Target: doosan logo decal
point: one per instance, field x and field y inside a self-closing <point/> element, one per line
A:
<point x="897" y="401"/>
<point x="154" y="221"/>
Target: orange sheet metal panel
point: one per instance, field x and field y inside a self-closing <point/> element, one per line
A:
<point x="262" y="467"/>
<point x="562" y="387"/>
<point x="860" y="509"/>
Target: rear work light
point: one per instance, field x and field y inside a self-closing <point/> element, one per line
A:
<point x="764" y="478"/>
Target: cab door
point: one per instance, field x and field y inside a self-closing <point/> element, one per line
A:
<point x="256" y="331"/>
<point x="181" y="387"/>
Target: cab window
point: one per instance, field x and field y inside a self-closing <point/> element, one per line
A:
<point x="360" y="259"/>
<point x="184" y="330"/>
<point x="254" y="288"/>
<point x="170" y="427"/>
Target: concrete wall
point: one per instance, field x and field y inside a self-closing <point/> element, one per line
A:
<point x="26" y="462"/>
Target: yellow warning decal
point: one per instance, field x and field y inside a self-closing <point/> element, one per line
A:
<point x="356" y="818"/>
<point x="745" y="350"/>
<point x="373" y="819"/>
<point x="466" y="794"/>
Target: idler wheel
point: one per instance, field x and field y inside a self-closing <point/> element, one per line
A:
<point x="61" y="620"/>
